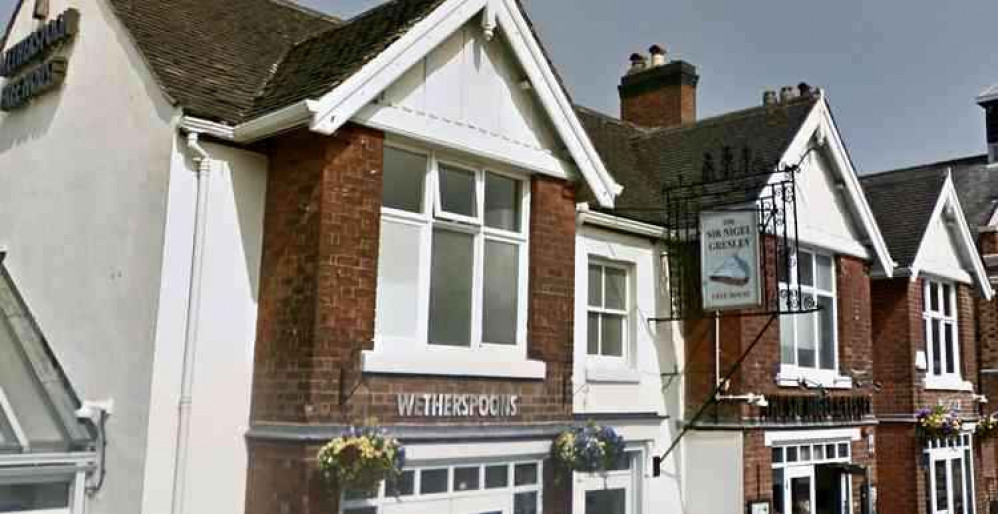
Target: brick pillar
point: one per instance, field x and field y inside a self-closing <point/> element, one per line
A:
<point x="900" y="478"/>
<point x="317" y="300"/>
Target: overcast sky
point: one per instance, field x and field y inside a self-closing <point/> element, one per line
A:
<point x="901" y="75"/>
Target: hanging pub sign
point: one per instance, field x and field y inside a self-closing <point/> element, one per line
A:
<point x="458" y="405"/>
<point x="26" y="78"/>
<point x="729" y="260"/>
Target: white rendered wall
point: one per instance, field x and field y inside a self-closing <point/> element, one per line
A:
<point x="654" y="349"/>
<point x="217" y="458"/>
<point x="940" y="252"/>
<point x="714" y="473"/>
<point x="84" y="172"/>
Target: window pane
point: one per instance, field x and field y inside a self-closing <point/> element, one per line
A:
<point x="606" y="501"/>
<point x="830" y="451"/>
<point x="433" y="481"/>
<point x="595" y="286"/>
<point x="805" y="453"/>
<point x="950" y="352"/>
<point x="525" y="474"/>
<point x="525" y="503"/>
<point x="806" y="347"/>
<point x="360" y="494"/>
<point x="616" y="289"/>
<point x="593" y="334"/>
<point x="791" y="454"/>
<point x="778" y="490"/>
<point x="819" y="452"/>
<point x="450" y="289"/>
<point x="457" y="191"/>
<point x="947" y="304"/>
<point x="937" y="348"/>
<point x="942" y="493"/>
<point x="466" y="479"/>
<point x="398" y="280"/>
<point x="612" y="336"/>
<point x="502" y="202"/>
<point x="777" y="455"/>
<point x="496" y="476"/>
<point x="968" y="474"/>
<point x="826" y="320"/>
<point x="933" y="297"/>
<point x="805" y="266"/>
<point x="824" y="272"/>
<point x="787" y="352"/>
<point x="958" y="499"/>
<point x="402" y="186"/>
<point x="843" y="450"/>
<point x="28" y="497"/>
<point x="499" y="312"/>
<point x="401" y="486"/>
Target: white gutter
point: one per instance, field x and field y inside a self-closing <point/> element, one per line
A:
<point x="191" y="330"/>
<point x="295" y="115"/>
<point x="600" y="219"/>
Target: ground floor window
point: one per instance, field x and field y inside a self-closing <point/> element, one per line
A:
<point x="495" y="487"/>
<point x="950" y="476"/>
<point x="613" y="492"/>
<point x="810" y="479"/>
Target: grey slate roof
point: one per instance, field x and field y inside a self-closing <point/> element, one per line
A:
<point x="902" y="202"/>
<point x="644" y="161"/>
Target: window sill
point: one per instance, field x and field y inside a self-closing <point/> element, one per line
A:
<point x="947" y="384"/>
<point x="453" y="364"/>
<point x="611" y="373"/>
<point x="826" y="379"/>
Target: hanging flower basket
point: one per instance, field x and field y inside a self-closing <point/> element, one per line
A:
<point x="591" y="448"/>
<point x="987" y="426"/>
<point x="938" y="423"/>
<point x="361" y="458"/>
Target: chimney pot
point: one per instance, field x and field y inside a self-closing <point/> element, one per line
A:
<point x="786" y="94"/>
<point x="638" y="63"/>
<point x="804" y="88"/>
<point x="769" y="97"/>
<point x="659" y="95"/>
<point x="657" y="56"/>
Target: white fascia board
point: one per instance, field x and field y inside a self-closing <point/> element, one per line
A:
<point x="211" y="128"/>
<point x="338" y="106"/>
<point x="820" y="119"/>
<point x="346" y="101"/>
<point x="811" y="436"/>
<point x="294" y="115"/>
<point x="609" y="221"/>
<point x="560" y="110"/>
<point x="965" y="239"/>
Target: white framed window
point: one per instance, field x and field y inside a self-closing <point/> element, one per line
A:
<point x="608" y="308"/>
<point x="506" y="487"/>
<point x="941" y="335"/>
<point x="452" y="270"/>
<point x="950" y="475"/>
<point x="615" y="491"/>
<point x="809" y="342"/>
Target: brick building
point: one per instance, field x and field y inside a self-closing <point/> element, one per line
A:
<point x="945" y="278"/>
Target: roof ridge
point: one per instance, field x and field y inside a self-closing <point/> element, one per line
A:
<point x="295" y="6"/>
<point x="611" y="119"/>
<point x="927" y="165"/>
<point x="726" y="116"/>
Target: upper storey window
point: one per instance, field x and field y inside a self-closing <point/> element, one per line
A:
<point x="808" y="342"/>
<point x="941" y="340"/>
<point x="453" y="259"/>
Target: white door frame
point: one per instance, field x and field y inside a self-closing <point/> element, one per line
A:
<point x="797" y="472"/>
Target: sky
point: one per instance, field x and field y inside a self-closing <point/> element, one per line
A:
<point x="901" y="75"/>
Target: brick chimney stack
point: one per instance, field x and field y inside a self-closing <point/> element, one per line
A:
<point x="658" y="93"/>
<point x="989" y="101"/>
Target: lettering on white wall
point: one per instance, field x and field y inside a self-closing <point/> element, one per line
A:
<point x="28" y="80"/>
<point x="458" y="405"/>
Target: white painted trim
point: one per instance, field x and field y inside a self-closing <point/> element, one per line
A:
<point x="781" y="437"/>
<point x="603" y="220"/>
<point x="345" y="101"/>
<point x="278" y="121"/>
<point x="15" y="425"/>
<point x="441" y="133"/>
<point x="943" y="383"/>
<point x="600" y="372"/>
<point x="211" y="128"/>
<point x="828" y="379"/>
<point x="839" y="245"/>
<point x="820" y="122"/>
<point x="80" y="460"/>
<point x="470" y="363"/>
<point x="978" y="274"/>
<point x="417" y="453"/>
